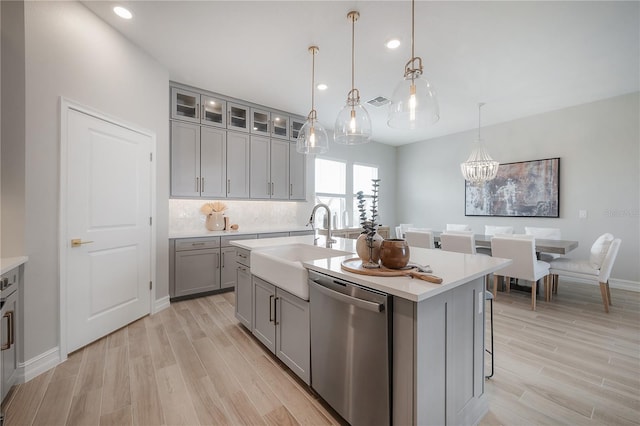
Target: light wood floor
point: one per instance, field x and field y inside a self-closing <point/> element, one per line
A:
<point x="566" y="363"/>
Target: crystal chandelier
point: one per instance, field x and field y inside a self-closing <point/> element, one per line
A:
<point x="479" y="167"/>
<point x="312" y="138"/>
<point x="414" y="104"/>
<point x="353" y="125"/>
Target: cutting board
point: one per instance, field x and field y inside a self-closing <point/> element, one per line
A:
<point x="355" y="265"/>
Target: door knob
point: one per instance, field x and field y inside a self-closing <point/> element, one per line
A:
<point x="77" y="242"/>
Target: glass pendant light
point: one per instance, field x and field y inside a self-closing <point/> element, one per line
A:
<point x="312" y="138"/>
<point x="353" y="125"/>
<point x="479" y="167"/>
<point x="414" y="104"/>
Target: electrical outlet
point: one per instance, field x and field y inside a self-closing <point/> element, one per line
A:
<point x="582" y="214"/>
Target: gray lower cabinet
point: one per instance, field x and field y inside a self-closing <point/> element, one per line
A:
<point x="281" y="323"/>
<point x="244" y="290"/>
<point x="10" y="336"/>
<point x="197" y="266"/>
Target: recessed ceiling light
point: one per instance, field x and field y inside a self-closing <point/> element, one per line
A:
<point x="322" y="86"/>
<point x="393" y="43"/>
<point x="122" y="12"/>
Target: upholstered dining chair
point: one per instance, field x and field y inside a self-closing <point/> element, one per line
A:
<point x="546" y="234"/>
<point x="460" y="242"/>
<point x="419" y="238"/>
<point x="464" y="242"/>
<point x="458" y="227"/>
<point x="495" y="230"/>
<point x="596" y="269"/>
<point x="525" y="266"/>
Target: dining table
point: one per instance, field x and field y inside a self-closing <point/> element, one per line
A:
<point x="542" y="245"/>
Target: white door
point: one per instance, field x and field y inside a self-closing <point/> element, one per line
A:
<point x="107" y="202"/>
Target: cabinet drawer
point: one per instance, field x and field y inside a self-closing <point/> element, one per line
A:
<point x="243" y="257"/>
<point x="225" y="241"/>
<point x="273" y="235"/>
<point x="197" y="243"/>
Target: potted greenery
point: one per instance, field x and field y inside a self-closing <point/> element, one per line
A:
<point x="369" y="241"/>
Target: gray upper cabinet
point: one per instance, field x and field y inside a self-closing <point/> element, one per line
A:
<point x="297" y="174"/>
<point x="198" y="165"/>
<point x="185" y="160"/>
<point x="194" y="107"/>
<point x="260" y="186"/>
<point x="279" y="125"/>
<point x="296" y="126"/>
<point x="260" y="122"/>
<point x="237" y="117"/>
<point x="238" y="158"/>
<point x="213" y="164"/>
<point x="269" y="168"/>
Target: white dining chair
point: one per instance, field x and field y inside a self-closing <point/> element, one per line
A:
<point x="494" y="230"/>
<point x="596" y="269"/>
<point x="399" y="232"/>
<point x="420" y="238"/>
<point x="459" y="242"/>
<point x="458" y="227"/>
<point x="546" y="234"/>
<point x="525" y="266"/>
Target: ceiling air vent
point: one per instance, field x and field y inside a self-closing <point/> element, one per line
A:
<point x="379" y="101"/>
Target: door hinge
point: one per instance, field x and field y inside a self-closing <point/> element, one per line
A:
<point x="150" y="221"/>
<point x="151" y="156"/>
<point x="150" y="285"/>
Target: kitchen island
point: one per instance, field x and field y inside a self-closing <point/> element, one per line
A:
<point x="437" y="331"/>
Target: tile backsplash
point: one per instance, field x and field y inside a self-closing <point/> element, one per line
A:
<point x="185" y="216"/>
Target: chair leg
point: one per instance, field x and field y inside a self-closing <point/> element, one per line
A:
<point x="609" y="294"/>
<point x="495" y="285"/>
<point x="547" y="289"/>
<point x="533" y="295"/>
<point x="555" y="283"/>
<point x="507" y="284"/>
<point x="605" y="298"/>
<point x="491" y="351"/>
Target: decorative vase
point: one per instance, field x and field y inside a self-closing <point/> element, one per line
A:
<point x="367" y="253"/>
<point x="394" y="253"/>
<point x="215" y="221"/>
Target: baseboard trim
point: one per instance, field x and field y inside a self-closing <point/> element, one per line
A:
<point x="38" y="365"/>
<point x="160" y="304"/>
<point x="613" y="283"/>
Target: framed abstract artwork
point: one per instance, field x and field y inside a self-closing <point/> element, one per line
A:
<point x="523" y="189"/>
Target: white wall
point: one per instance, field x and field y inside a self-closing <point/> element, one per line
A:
<point x="598" y="144"/>
<point x="72" y="53"/>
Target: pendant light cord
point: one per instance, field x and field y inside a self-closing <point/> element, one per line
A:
<point x="353" y="61"/>
<point x="413" y="26"/>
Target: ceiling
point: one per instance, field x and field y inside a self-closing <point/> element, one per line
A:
<point x="520" y="58"/>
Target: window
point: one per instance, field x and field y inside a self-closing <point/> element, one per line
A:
<point x="336" y="186"/>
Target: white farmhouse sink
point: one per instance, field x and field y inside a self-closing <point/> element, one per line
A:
<point x="282" y="265"/>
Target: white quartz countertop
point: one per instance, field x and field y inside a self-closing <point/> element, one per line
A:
<point x="8" y="263"/>
<point x="454" y="268"/>
<point x="206" y="233"/>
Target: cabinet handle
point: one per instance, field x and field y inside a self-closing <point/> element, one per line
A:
<point x="275" y="308"/>
<point x="223" y="259"/>
<point x="271" y="308"/>
<point x="228" y="186"/>
<point x="218" y="256"/>
<point x="197" y="184"/>
<point x="268" y="188"/>
<point x="196" y="244"/>
<point x="271" y="188"/>
<point x="202" y="184"/>
<point x="9" y="317"/>
<point x="290" y="189"/>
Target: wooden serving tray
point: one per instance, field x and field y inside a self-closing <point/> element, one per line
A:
<point x="355" y="265"/>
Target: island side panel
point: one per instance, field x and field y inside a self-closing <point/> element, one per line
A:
<point x="403" y="358"/>
<point x="466" y="403"/>
<point x="431" y="349"/>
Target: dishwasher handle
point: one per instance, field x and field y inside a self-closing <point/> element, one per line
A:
<point x="360" y="303"/>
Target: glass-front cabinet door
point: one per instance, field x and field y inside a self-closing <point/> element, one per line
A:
<point x="260" y="124"/>
<point x="185" y="105"/>
<point x="237" y="117"/>
<point x="279" y="126"/>
<point x="296" y="125"/>
<point x="213" y="111"/>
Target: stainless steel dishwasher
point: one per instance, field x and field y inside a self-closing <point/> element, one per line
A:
<point x="350" y="349"/>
